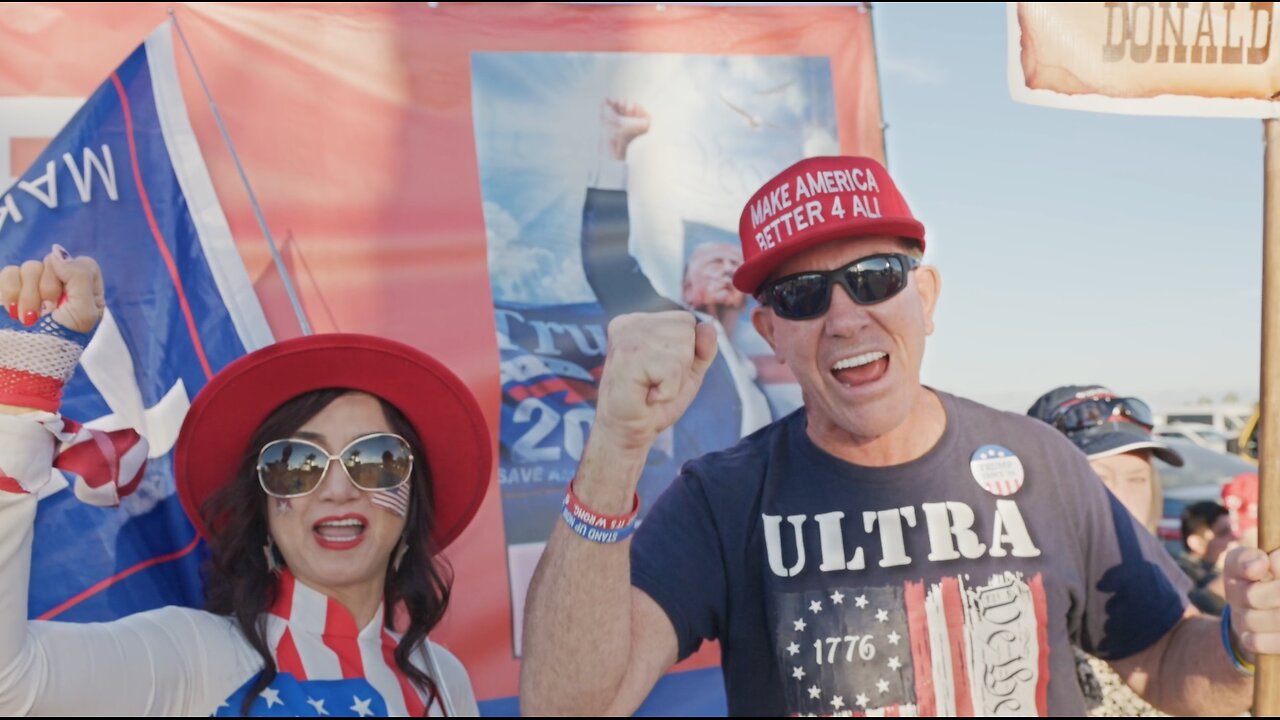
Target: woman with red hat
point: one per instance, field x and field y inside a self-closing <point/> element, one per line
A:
<point x="326" y="474"/>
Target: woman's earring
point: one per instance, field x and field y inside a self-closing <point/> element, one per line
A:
<point x="270" y="551"/>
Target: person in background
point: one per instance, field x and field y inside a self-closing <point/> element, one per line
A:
<point x="1207" y="537"/>
<point x="1115" y="433"/>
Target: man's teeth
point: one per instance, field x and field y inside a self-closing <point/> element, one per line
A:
<point x="859" y="360"/>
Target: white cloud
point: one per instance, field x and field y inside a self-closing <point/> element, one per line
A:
<point x="751" y="69"/>
<point x="525" y="273"/>
<point x="499" y="227"/>
<point x="819" y="141"/>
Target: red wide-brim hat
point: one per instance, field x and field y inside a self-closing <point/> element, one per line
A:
<point x="228" y="411"/>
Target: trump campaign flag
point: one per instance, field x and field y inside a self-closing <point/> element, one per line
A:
<point x="124" y="182"/>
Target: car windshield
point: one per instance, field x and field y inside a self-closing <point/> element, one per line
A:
<point x="1202" y="465"/>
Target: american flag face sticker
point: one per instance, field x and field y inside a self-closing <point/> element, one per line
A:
<point x="395" y="500"/>
<point x="946" y="648"/>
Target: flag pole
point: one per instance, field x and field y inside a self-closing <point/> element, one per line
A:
<point x="1266" y="692"/>
<point x="253" y="199"/>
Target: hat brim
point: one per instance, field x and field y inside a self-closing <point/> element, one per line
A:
<point x="228" y="411"/>
<point x="752" y="273"/>
<point x="1117" y="443"/>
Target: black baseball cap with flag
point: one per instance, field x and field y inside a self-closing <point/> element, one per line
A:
<point x="1102" y="423"/>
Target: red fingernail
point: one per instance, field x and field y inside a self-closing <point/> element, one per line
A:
<point x="13" y="310"/>
<point x="29" y="318"/>
<point x="62" y="300"/>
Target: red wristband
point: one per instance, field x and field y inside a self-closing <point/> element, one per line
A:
<point x="600" y="520"/>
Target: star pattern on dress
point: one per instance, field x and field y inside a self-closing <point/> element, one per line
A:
<point x="837" y="702"/>
<point x="883" y="686"/>
<point x="799" y="625"/>
<point x="862" y="700"/>
<point x="272" y="696"/>
<point x="815" y="607"/>
<point x="814" y="692"/>
<point x="798" y="673"/>
<point x="894" y="663"/>
<point x="318" y="705"/>
<point x="793" y="649"/>
<point x="837" y="598"/>
<point x="894" y="637"/>
<point x="361" y="706"/>
<point x="860" y="601"/>
<point x="882" y="615"/>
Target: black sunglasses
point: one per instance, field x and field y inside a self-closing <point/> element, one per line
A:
<point x="869" y="280"/>
<point x="1095" y="412"/>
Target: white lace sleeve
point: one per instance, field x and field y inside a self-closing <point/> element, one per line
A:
<point x="459" y="700"/>
<point x="172" y="661"/>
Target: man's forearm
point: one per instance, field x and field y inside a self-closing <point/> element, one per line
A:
<point x="1191" y="675"/>
<point x="577" y="630"/>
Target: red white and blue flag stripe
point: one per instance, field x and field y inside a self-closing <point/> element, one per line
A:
<point x="954" y="647"/>
<point x="327" y="665"/>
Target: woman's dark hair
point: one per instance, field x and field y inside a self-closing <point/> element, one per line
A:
<point x="239" y="584"/>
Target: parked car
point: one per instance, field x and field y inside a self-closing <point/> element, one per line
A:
<point x="1228" y="419"/>
<point x="1199" y="433"/>
<point x="1200" y="478"/>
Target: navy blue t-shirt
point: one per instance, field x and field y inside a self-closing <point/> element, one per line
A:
<point x="952" y="584"/>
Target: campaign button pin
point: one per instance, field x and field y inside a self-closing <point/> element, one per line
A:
<point x="997" y="470"/>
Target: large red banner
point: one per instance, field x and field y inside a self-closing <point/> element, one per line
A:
<point x="377" y="138"/>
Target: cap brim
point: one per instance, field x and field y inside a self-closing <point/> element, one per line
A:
<point x="755" y="271"/>
<point x="1119" y="442"/>
<point x="216" y="433"/>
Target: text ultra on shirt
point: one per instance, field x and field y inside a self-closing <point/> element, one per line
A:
<point x="951" y="585"/>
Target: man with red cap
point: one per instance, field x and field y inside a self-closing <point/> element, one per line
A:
<point x="889" y="548"/>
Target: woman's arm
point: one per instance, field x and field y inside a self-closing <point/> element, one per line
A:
<point x="168" y="661"/>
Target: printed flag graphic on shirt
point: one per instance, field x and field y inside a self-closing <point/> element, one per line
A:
<point x="327" y="665"/>
<point x="125" y="183"/>
<point x="287" y="696"/>
<point x="949" y="648"/>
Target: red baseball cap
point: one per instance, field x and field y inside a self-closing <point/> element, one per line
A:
<point x="1240" y="496"/>
<point x="228" y="411"/>
<point x="816" y="200"/>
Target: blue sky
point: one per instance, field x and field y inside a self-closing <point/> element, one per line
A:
<point x="1074" y="247"/>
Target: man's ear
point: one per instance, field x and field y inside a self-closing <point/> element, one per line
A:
<point x="929" y="286"/>
<point x="763" y="319"/>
